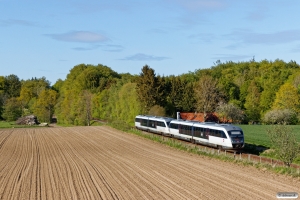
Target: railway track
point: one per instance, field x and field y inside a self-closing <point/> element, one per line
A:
<point x="190" y="144"/>
<point x="238" y="154"/>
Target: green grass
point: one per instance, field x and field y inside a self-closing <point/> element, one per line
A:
<point x="257" y="134"/>
<point x="5" y="124"/>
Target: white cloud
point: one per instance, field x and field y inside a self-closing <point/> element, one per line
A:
<point x="144" y="57"/>
<point x="79" y="36"/>
<point x="256" y="16"/>
<point x="16" y="22"/>
<point x="196" y="5"/>
<point x="249" y="37"/>
<point x="109" y="47"/>
<point x="203" y="37"/>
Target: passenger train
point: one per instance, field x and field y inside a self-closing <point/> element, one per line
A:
<point x="222" y="136"/>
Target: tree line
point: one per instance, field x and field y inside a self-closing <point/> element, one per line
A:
<point x="240" y="92"/>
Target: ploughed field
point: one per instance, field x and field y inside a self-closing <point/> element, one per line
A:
<point x="104" y="163"/>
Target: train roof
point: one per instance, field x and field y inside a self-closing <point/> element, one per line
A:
<point x="155" y="117"/>
<point x="207" y="124"/>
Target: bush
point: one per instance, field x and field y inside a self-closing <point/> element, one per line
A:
<point x="157" y="111"/>
<point x="284" y="143"/>
<point x="284" y="116"/>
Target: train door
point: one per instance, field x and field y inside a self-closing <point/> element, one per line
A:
<point x="206" y="133"/>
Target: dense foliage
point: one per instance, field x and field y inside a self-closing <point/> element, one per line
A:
<point x="284" y="143"/>
<point x="244" y="92"/>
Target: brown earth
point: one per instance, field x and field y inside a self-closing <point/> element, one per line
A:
<point x="103" y="163"/>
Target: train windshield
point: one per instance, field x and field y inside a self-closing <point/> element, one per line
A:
<point x="235" y="133"/>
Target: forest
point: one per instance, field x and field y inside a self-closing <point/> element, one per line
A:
<point x="265" y="92"/>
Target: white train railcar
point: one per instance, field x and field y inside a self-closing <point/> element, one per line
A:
<point x="153" y="124"/>
<point x="223" y="136"/>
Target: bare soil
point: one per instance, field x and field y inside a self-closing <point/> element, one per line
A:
<point x="103" y="163"/>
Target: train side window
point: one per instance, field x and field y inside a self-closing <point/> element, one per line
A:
<point x="162" y="124"/>
<point x="219" y="133"/>
<point x="144" y="122"/>
<point x="196" y="131"/>
<point x="174" y="126"/>
<point x="207" y="132"/>
<point x="202" y="132"/>
<point x="223" y="134"/>
<point x="181" y="129"/>
<point x="213" y="132"/>
<point x="186" y="130"/>
<point x="152" y="124"/>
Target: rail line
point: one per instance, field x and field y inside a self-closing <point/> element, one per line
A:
<point x="237" y="154"/>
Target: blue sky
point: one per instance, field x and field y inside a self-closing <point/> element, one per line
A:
<point x="48" y="38"/>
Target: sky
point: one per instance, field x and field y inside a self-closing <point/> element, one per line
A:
<point x="48" y="38"/>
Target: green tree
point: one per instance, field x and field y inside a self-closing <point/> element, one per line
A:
<point x="58" y="85"/>
<point x="207" y="95"/>
<point x="252" y="102"/>
<point x="149" y="90"/>
<point x="12" y="109"/>
<point x="175" y="95"/>
<point x="30" y="91"/>
<point x="2" y="94"/>
<point x="12" y="86"/>
<point x="284" y="143"/>
<point x="83" y="108"/>
<point x="128" y="103"/>
<point x="64" y="108"/>
<point x="87" y="98"/>
<point x="229" y="112"/>
<point x="89" y="78"/>
<point x="100" y="102"/>
<point x="188" y="100"/>
<point x="157" y="110"/>
<point x="44" y="106"/>
<point x="287" y="97"/>
<point x="266" y="99"/>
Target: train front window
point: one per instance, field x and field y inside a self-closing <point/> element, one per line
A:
<point x="235" y="133"/>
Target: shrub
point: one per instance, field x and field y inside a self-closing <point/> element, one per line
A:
<point x="284" y="116"/>
<point x="157" y="111"/>
<point x="284" y="142"/>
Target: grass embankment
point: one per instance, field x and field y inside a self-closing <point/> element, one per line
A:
<point x="258" y="142"/>
<point x="213" y="154"/>
<point x="4" y="124"/>
<point x="257" y="134"/>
